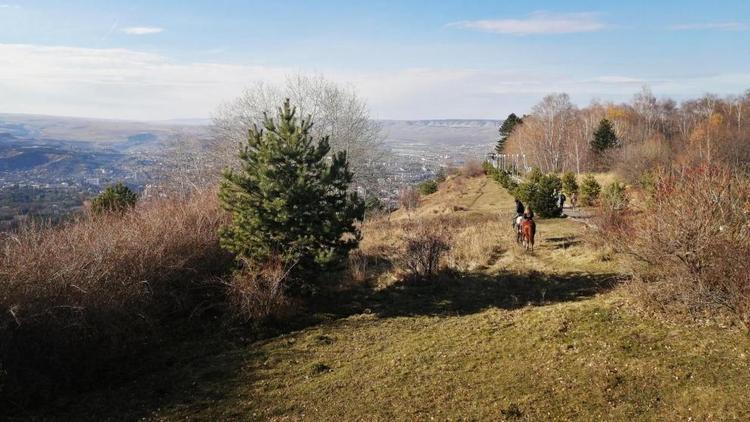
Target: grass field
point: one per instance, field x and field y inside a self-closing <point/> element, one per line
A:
<point x="549" y="335"/>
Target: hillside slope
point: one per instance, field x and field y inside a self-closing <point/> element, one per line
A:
<point x="519" y="336"/>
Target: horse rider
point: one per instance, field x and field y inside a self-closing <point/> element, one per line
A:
<point x="528" y="214"/>
<point x="519" y="211"/>
<point x="561" y="200"/>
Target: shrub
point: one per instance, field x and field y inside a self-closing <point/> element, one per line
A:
<point x="472" y="168"/>
<point x="441" y="175"/>
<point x="357" y="265"/>
<point x="256" y="291"/>
<point x="115" y="198"/>
<point x="538" y="192"/>
<point x="505" y="178"/>
<point x="590" y="189"/>
<point x="74" y="296"/>
<point x="691" y="247"/>
<point x="290" y="199"/>
<point x="569" y="183"/>
<point x="374" y="206"/>
<point x="614" y="197"/>
<point x="535" y="175"/>
<point x="502" y="177"/>
<point x="636" y="162"/>
<point x="428" y="187"/>
<point x="613" y="210"/>
<point x="426" y="243"/>
<point x="408" y="198"/>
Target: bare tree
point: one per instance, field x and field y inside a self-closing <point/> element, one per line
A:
<point x="581" y="134"/>
<point x="336" y="111"/>
<point x="550" y="128"/>
<point x="646" y="108"/>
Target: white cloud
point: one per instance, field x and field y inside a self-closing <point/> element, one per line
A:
<point x="117" y="83"/>
<point x="719" y="26"/>
<point x="128" y="84"/>
<point x="538" y="23"/>
<point x="617" y="79"/>
<point x="142" y="30"/>
<point x="10" y="6"/>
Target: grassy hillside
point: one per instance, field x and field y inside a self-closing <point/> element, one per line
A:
<point x="501" y="335"/>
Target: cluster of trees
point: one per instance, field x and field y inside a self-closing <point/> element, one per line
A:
<point x="540" y="191"/>
<point x="641" y="134"/>
<point x="289" y="190"/>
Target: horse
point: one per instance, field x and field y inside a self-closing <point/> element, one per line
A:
<point x="528" y="230"/>
<point x="519" y="234"/>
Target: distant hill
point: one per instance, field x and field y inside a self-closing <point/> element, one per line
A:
<point x="126" y="134"/>
<point x="444" y="132"/>
<point x="75" y="129"/>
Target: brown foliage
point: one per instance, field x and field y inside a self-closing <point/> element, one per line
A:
<point x="408" y="198"/>
<point x="472" y="168"/>
<point x="256" y="292"/>
<point x="636" y="160"/>
<point x="692" y="242"/>
<point x="357" y="265"/>
<point x="425" y="245"/>
<point x="84" y="288"/>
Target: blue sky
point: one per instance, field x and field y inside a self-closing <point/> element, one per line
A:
<point x="410" y="59"/>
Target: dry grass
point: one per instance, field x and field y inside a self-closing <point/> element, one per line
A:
<point x="70" y="292"/>
<point x="476" y="246"/>
<point x="530" y="336"/>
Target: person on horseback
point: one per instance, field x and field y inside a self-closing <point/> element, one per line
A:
<point x="519" y="211"/>
<point x="527" y="229"/>
<point x="528" y="214"/>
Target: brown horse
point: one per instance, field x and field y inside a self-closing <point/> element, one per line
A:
<point x="528" y="230"/>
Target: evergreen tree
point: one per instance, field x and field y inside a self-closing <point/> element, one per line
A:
<point x="374" y="206"/>
<point x="115" y="198"/>
<point x="569" y="183"/>
<point x="538" y="192"/>
<point x="290" y="199"/>
<point x="505" y="130"/>
<point x="590" y="189"/>
<point x="428" y="187"/>
<point x="604" y="137"/>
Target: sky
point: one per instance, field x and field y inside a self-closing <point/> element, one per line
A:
<point x="158" y="60"/>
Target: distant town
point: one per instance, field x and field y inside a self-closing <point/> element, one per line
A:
<point x="48" y="173"/>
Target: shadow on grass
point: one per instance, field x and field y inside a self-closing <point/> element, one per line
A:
<point x="562" y="242"/>
<point x="465" y="293"/>
<point x="196" y="368"/>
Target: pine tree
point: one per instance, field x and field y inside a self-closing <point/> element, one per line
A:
<point x="590" y="189"/>
<point x="604" y="137"/>
<point x="569" y="183"/>
<point x="505" y="130"/>
<point x="115" y="198"/>
<point x="290" y="198"/>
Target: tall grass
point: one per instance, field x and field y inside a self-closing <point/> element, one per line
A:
<point x="464" y="242"/>
<point x="70" y="295"/>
